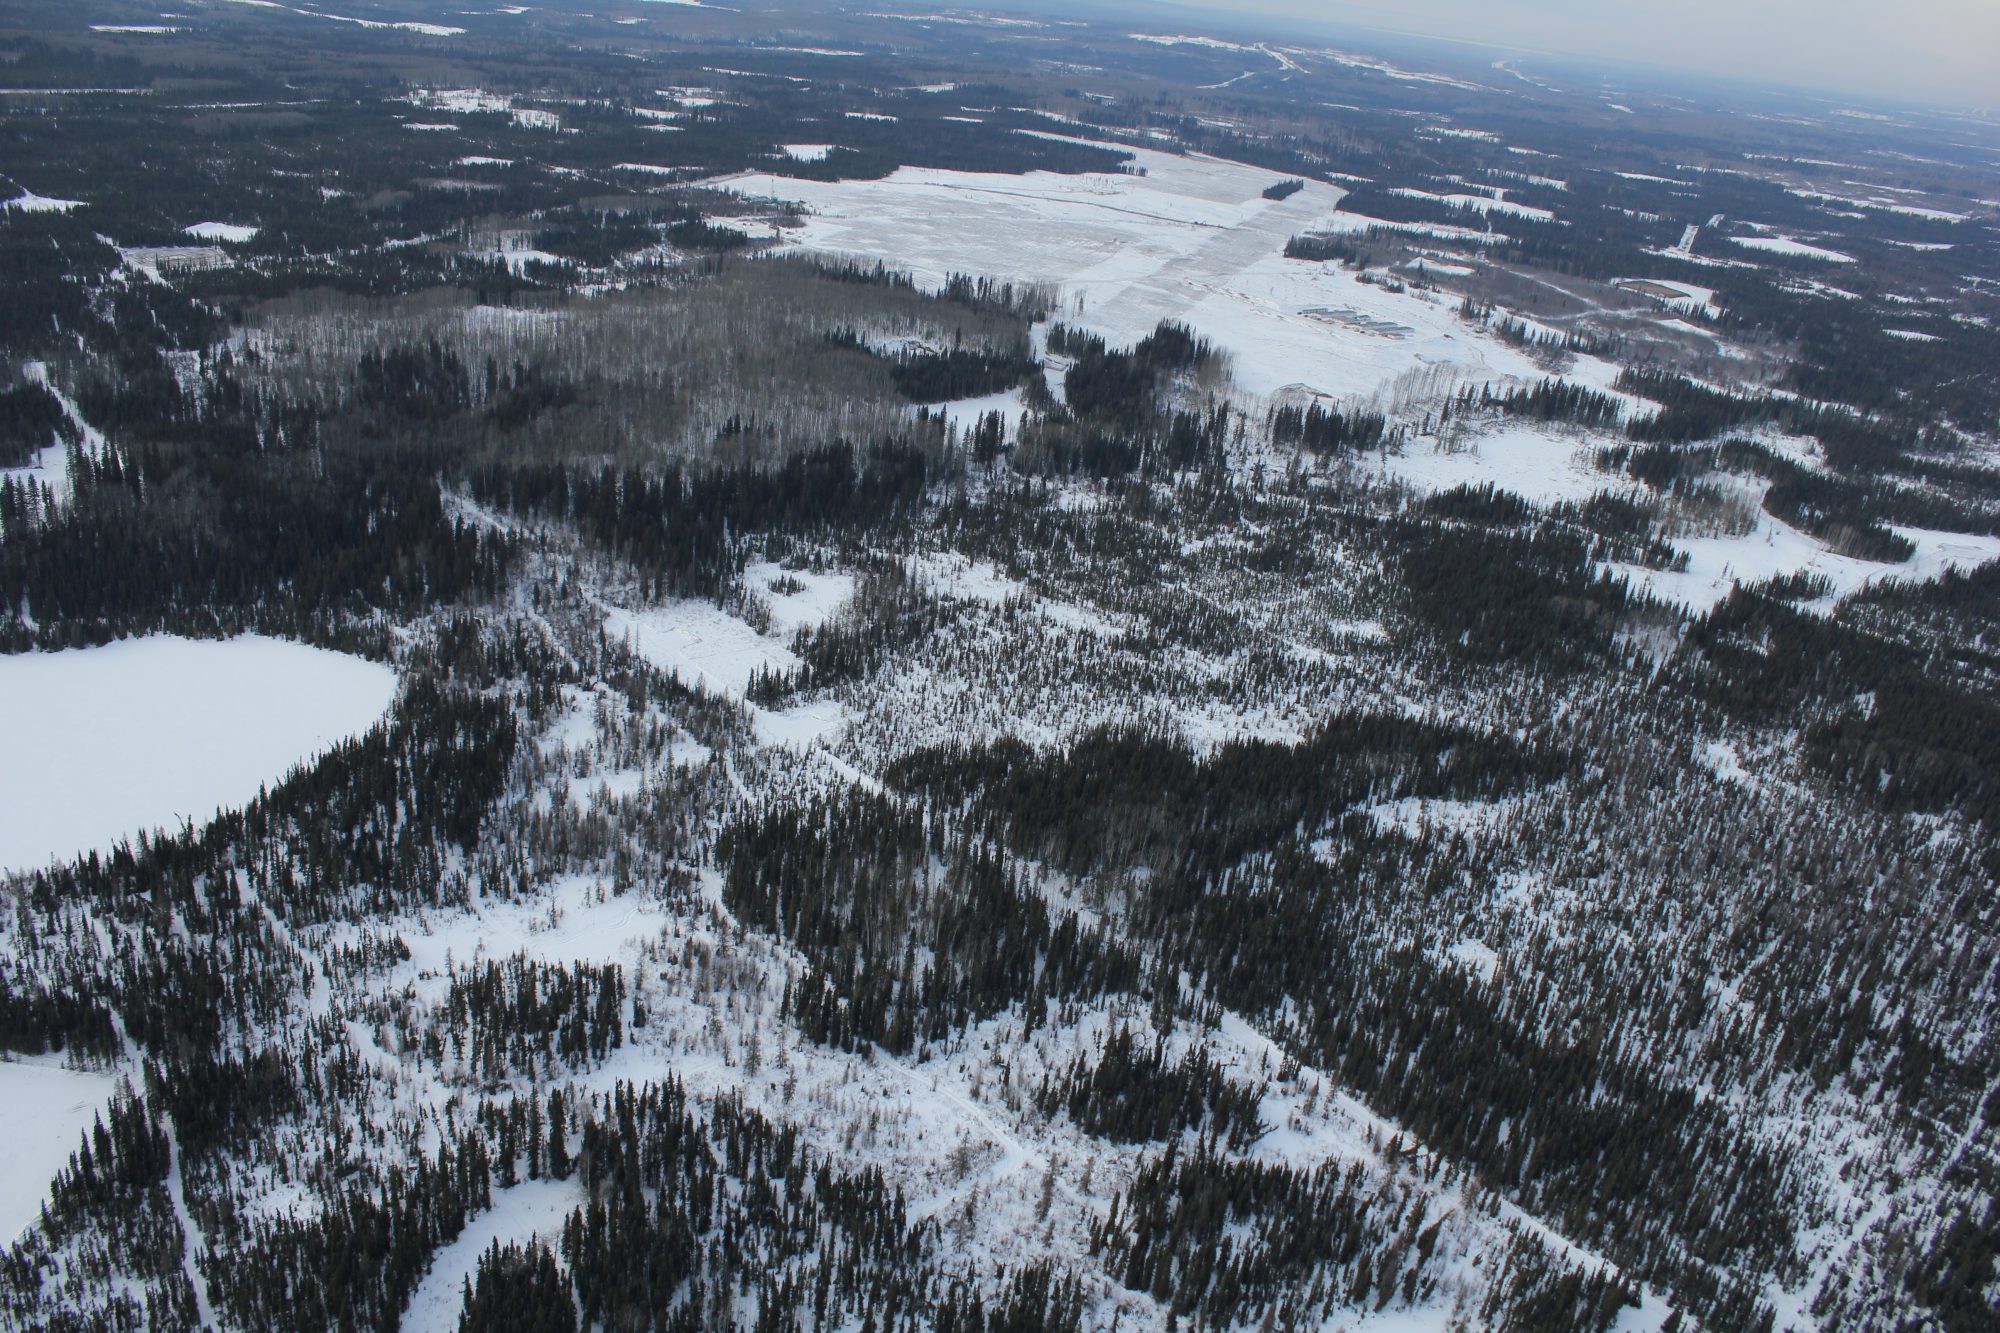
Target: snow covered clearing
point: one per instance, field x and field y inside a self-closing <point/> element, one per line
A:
<point x="45" y="1109"/>
<point x="1441" y="267"/>
<point x="1722" y="759"/>
<point x="1416" y="817"/>
<point x="707" y="648"/>
<point x="533" y="1208"/>
<point x="1479" y="203"/>
<point x="966" y="413"/>
<point x="953" y="1127"/>
<point x="145" y="733"/>
<point x="458" y="101"/>
<point x="1192" y="239"/>
<point x="1676" y="295"/>
<point x="1387" y="70"/>
<point x="1882" y="205"/>
<point x="807" y="152"/>
<point x="954" y="576"/>
<point x="1213" y="43"/>
<point x="1784" y="245"/>
<point x="230" y="232"/>
<point x="1475" y="957"/>
<point x="29" y="202"/>
<point x="422" y="29"/>
<point x="1775" y="549"/>
<point x="1535" y="462"/>
<point x="50" y="467"/>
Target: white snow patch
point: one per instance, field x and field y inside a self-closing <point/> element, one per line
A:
<point x="1192" y="239"/>
<point x="816" y="598"/>
<point x="1212" y="43"/>
<point x="1784" y="245"/>
<point x="1475" y="957"/>
<point x="700" y="645"/>
<point x="1721" y="759"/>
<point x="1479" y="203"/>
<point x="966" y="413"/>
<point x="29" y="202"/>
<point x="1538" y="463"/>
<point x="232" y="232"/>
<point x="1415" y="816"/>
<point x="807" y="152"/>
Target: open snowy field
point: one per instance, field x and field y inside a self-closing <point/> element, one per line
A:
<point x="707" y="648"/>
<point x="1191" y="239"/>
<point x="103" y="743"/>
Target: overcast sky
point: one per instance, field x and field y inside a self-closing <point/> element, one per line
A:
<point x="1930" y="50"/>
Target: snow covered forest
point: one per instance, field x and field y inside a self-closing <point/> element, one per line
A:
<point x="679" y="669"/>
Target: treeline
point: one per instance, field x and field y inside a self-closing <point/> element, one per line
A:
<point x="859" y="885"/>
<point x="1228" y="1243"/>
<point x="525" y="1016"/>
<point x="889" y="612"/>
<point x="1898" y="735"/>
<point x="1518" y="332"/>
<point x="1495" y="596"/>
<point x="1691" y="412"/>
<point x="675" y="522"/>
<point x="1326" y="430"/>
<point x="1326" y="249"/>
<point x="1118" y="797"/>
<point x="685" y="1225"/>
<point x="1130" y="1094"/>
<point x="30" y="419"/>
<point x="223" y="510"/>
<point x="38" y="1019"/>
<point x="1850" y="514"/>
<point x="1119" y="388"/>
<point x="1548" y="400"/>
<point x="111" y="1203"/>
<point x="1181" y="441"/>
<point x="1393" y="205"/>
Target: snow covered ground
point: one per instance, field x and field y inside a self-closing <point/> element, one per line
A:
<point x="103" y="743"/>
<point x="44" y="1111"/>
<point x="1535" y="462"/>
<point x="1773" y="548"/>
<point x="705" y="647"/>
<point x="29" y="202"/>
<point x="1784" y="245"/>
<point x="533" y="1208"/>
<point x="233" y="232"/>
<point x="1190" y="239"/>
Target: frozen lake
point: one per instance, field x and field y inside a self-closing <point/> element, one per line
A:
<point x="101" y="743"/>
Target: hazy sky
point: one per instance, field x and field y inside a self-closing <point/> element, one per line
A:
<point x="1931" y="50"/>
